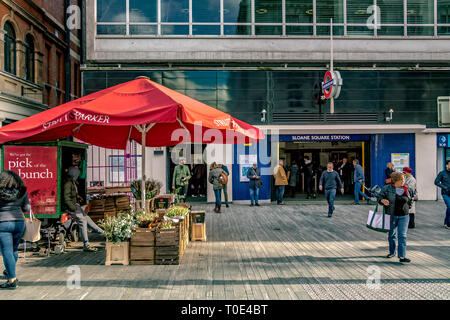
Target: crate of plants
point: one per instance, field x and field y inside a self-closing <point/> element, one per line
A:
<point x="179" y="214"/>
<point x="142" y="242"/>
<point x="167" y="250"/>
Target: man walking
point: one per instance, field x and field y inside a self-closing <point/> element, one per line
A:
<point x="181" y="176"/>
<point x="330" y="181"/>
<point x="309" y="173"/>
<point x="443" y="182"/>
<point x="358" y="179"/>
<point x="280" y="181"/>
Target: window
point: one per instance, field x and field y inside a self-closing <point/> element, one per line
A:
<point x="143" y="11"/>
<point x="10" y="48"/>
<point x="443" y="17"/>
<point x="111" y="17"/>
<point x="206" y="11"/>
<point x="48" y="53"/>
<point x="299" y="11"/>
<point x="237" y="11"/>
<point x="391" y="13"/>
<point x="360" y="12"/>
<point x="175" y="11"/>
<point x="29" y="58"/>
<point x="268" y="11"/>
<point x="327" y="9"/>
<point x="420" y="12"/>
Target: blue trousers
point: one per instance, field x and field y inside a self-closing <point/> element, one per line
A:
<point x="218" y="194"/>
<point x="399" y="228"/>
<point x="254" y="195"/>
<point x="358" y="192"/>
<point x="11" y="233"/>
<point x="280" y="193"/>
<point x="447" y="213"/>
<point x="330" y="195"/>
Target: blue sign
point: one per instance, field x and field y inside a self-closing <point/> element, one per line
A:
<point x="324" y="137"/>
<point x="442" y="140"/>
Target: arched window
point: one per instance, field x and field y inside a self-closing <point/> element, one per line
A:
<point x="29" y="58"/>
<point x="10" y="48"/>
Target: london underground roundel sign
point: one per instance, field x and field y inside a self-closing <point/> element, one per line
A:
<point x="331" y="84"/>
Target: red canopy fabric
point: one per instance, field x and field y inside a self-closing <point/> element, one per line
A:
<point x="108" y="118"/>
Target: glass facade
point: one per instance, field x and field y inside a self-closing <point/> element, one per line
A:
<point x="368" y="18"/>
<point x="243" y="94"/>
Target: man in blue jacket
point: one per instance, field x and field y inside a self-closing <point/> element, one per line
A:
<point x="443" y="182"/>
<point x="358" y="179"/>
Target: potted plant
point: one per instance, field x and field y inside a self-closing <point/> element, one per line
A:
<point x="152" y="189"/>
<point x="118" y="231"/>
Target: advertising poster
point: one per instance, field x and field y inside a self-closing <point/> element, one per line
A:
<point x="37" y="166"/>
<point x="400" y="160"/>
<point x="245" y="163"/>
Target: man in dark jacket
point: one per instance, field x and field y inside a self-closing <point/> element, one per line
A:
<point x="443" y="182"/>
<point x="254" y="175"/>
<point x="76" y="212"/>
<point x="397" y="200"/>
<point x="358" y="179"/>
<point x="330" y="181"/>
<point x="345" y="173"/>
<point x="309" y="173"/>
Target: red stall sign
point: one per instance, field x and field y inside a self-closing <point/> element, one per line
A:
<point x="38" y="167"/>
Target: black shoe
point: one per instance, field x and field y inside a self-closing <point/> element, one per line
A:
<point x="405" y="260"/>
<point x="5" y="273"/>
<point x="252" y="205"/>
<point x="330" y="215"/>
<point x="390" y="256"/>
<point x="227" y="206"/>
<point x="257" y="205"/>
<point x="10" y="285"/>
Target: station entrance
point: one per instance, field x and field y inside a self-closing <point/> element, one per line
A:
<point x="311" y="158"/>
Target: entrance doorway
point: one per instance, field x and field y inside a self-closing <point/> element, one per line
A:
<point x="198" y="168"/>
<point x="320" y="153"/>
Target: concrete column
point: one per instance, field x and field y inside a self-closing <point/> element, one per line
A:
<point x="156" y="167"/>
<point x="20" y="58"/>
<point x="2" y="49"/>
<point x="39" y="67"/>
<point x="426" y="165"/>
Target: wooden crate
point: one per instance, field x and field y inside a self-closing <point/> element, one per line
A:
<point x="117" y="253"/>
<point x="167" y="255"/>
<point x="167" y="237"/>
<point x="198" y="232"/>
<point x="142" y="246"/>
<point x="143" y="237"/>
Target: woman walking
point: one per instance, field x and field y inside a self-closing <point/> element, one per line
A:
<point x="214" y="174"/>
<point x="411" y="183"/>
<point x="13" y="202"/>
<point x="397" y="199"/>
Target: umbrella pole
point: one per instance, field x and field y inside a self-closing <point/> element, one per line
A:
<point x="144" y="136"/>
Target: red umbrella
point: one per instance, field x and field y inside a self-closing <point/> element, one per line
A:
<point x="141" y="110"/>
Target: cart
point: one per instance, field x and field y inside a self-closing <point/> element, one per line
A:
<point x="43" y="167"/>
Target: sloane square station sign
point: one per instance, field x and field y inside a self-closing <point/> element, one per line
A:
<point x="323" y="137"/>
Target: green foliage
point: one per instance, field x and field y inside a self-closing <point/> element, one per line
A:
<point x="166" y="225"/>
<point x="177" y="212"/>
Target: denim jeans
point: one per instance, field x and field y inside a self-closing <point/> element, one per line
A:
<point x="218" y="194"/>
<point x="280" y="193"/>
<point x="254" y="195"/>
<point x="225" y="193"/>
<point x="358" y="192"/>
<point x="11" y="233"/>
<point x="399" y="228"/>
<point x="84" y="221"/>
<point x="447" y="213"/>
<point x="330" y="195"/>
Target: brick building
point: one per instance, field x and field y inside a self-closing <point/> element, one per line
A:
<point x="39" y="64"/>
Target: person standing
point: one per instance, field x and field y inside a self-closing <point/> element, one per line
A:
<point x="358" y="179"/>
<point x="13" y="202"/>
<point x="224" y="186"/>
<point x="280" y="181"/>
<point x="443" y="181"/>
<point x="71" y="204"/>
<point x="389" y="170"/>
<point x="397" y="199"/>
<point x="254" y="175"/>
<point x="411" y="183"/>
<point x="181" y="176"/>
<point x="308" y="174"/>
<point x="214" y="174"/>
<point x="330" y="181"/>
<point x="345" y="172"/>
<point x="293" y="173"/>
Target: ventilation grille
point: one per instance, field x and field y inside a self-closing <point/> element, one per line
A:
<point x="308" y="118"/>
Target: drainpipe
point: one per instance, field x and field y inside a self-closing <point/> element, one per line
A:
<point x="68" y="71"/>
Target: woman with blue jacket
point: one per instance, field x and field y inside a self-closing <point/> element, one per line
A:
<point x="13" y="202"/>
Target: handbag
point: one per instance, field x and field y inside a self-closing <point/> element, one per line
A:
<point x="259" y="184"/>
<point x="378" y="221"/>
<point x="32" y="229"/>
<point x="223" y="178"/>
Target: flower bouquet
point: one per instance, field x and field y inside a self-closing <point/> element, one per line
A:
<point x="118" y="229"/>
<point x="152" y="188"/>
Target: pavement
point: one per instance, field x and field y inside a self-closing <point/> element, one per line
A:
<point x="291" y="252"/>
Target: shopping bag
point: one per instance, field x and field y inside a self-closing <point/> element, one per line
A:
<point x="379" y="221"/>
<point x="32" y="229"/>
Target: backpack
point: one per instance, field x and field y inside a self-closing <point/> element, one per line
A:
<point x="223" y="178"/>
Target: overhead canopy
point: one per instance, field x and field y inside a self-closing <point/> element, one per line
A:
<point x="110" y="117"/>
